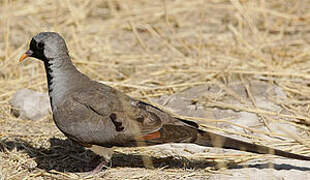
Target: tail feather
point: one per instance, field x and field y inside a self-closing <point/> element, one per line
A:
<point x="211" y="139"/>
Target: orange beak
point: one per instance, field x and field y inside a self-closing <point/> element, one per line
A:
<point x="25" y="55"/>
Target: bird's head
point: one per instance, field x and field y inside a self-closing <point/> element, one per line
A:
<point x="46" y="46"/>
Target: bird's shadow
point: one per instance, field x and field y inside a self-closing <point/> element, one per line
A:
<point x="67" y="156"/>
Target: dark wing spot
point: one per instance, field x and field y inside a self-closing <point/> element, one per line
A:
<point x="113" y="116"/>
<point x="118" y="124"/>
<point x="119" y="128"/>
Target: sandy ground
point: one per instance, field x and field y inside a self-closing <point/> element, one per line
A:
<point x="239" y="68"/>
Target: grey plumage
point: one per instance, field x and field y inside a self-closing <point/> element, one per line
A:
<point x="91" y="113"/>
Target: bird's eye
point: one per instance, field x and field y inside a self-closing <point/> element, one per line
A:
<point x="40" y="45"/>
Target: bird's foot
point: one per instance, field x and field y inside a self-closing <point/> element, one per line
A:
<point x="103" y="164"/>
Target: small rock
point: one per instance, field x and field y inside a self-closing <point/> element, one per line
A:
<point x="29" y="104"/>
<point x="178" y="149"/>
<point x="184" y="103"/>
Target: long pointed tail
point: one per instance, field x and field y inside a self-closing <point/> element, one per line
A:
<point x="211" y="139"/>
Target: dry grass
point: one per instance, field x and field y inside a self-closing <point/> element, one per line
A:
<point x="149" y="49"/>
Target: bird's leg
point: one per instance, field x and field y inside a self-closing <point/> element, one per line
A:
<point x="103" y="164"/>
<point x="106" y="153"/>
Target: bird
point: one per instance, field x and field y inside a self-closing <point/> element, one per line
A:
<point x="100" y="117"/>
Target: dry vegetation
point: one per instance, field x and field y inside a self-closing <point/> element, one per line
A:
<point x="149" y="49"/>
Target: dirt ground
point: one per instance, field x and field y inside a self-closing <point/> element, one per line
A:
<point x="239" y="68"/>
